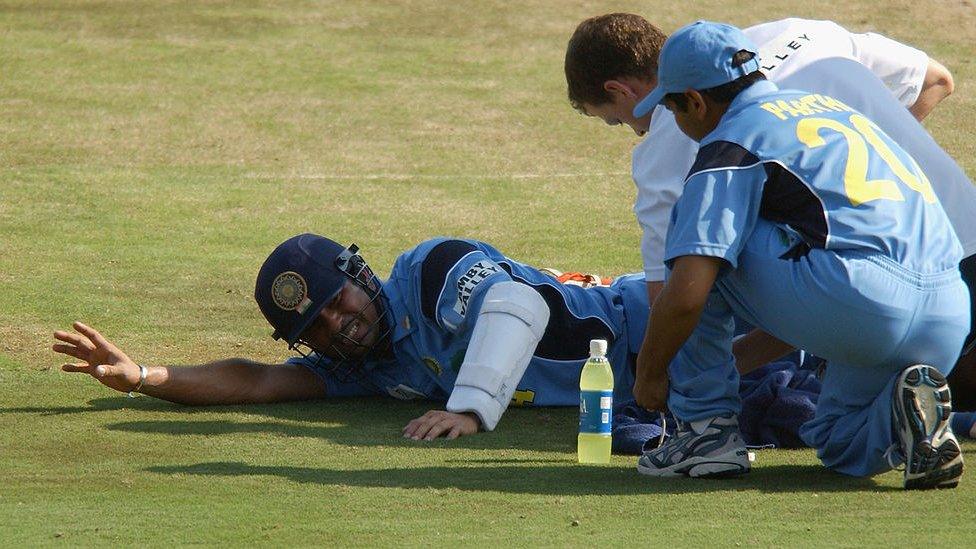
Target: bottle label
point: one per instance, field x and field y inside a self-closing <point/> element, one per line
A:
<point x="595" y="410"/>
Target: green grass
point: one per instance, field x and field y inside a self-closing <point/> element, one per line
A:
<point x="84" y="467"/>
<point x="152" y="153"/>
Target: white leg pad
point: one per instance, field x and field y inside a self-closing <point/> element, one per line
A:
<point x="511" y="323"/>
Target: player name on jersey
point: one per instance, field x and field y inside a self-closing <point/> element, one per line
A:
<point x="467" y="282"/>
<point x="805" y="106"/>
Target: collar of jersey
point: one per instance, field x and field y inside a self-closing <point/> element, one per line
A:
<point x="397" y="313"/>
<point x="745" y="97"/>
<point x="748" y="95"/>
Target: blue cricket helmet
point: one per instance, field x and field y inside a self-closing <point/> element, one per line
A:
<point x="299" y="278"/>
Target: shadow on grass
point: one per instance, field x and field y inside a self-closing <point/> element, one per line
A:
<point x="96" y="405"/>
<point x="363" y="422"/>
<point x="346" y="421"/>
<point x="566" y="479"/>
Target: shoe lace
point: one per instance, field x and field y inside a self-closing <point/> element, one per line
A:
<point x="659" y="442"/>
<point x="664" y="431"/>
<point x="890" y="456"/>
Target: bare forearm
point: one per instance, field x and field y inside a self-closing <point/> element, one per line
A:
<point x="653" y="290"/>
<point x="938" y="85"/>
<point x="229" y="381"/>
<point x="670" y="325"/>
<point x="645" y="358"/>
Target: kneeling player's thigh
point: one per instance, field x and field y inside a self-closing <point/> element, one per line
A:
<point x="814" y="302"/>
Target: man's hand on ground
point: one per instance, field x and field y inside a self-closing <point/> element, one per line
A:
<point x="436" y="423"/>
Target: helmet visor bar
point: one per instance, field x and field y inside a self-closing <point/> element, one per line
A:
<point x="354" y="266"/>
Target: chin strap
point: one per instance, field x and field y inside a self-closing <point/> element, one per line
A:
<point x="510" y="324"/>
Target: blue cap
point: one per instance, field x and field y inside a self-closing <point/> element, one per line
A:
<point x="699" y="56"/>
<point x="298" y="279"/>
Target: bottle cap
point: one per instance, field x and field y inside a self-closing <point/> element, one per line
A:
<point x="598" y="347"/>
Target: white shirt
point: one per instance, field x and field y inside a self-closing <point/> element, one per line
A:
<point x="662" y="160"/>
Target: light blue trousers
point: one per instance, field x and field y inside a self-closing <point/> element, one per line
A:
<point x="867" y="315"/>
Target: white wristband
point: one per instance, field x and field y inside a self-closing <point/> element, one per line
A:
<point x="143" y="372"/>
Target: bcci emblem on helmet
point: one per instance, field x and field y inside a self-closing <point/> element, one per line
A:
<point x="290" y="292"/>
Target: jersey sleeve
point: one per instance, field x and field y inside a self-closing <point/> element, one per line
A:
<point x="720" y="204"/>
<point x="333" y="387"/>
<point x="454" y="278"/>
<point x="902" y="68"/>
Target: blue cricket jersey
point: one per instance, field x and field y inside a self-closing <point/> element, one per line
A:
<point x="818" y="169"/>
<point x="435" y="292"/>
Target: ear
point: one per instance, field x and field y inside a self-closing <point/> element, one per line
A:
<point x="696" y="103"/>
<point x="617" y="87"/>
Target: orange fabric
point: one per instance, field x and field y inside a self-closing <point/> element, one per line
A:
<point x="585" y="279"/>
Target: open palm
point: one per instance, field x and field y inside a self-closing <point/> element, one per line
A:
<point x="101" y="359"/>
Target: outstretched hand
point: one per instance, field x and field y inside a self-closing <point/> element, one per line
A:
<point x="436" y="423"/>
<point x="100" y="358"/>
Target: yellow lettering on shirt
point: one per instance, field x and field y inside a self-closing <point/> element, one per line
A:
<point x="804" y="106"/>
<point x="521" y="398"/>
<point x="776" y="111"/>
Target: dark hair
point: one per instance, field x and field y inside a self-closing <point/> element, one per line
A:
<point x="606" y="47"/>
<point x="725" y="93"/>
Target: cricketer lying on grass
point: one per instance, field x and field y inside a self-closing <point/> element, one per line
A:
<point x="450" y="305"/>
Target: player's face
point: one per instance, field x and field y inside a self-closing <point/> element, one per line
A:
<point x="689" y="121"/>
<point x="619" y="110"/>
<point x="348" y="324"/>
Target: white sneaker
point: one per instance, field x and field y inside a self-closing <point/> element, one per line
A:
<point x="707" y="448"/>
<point x="920" y="406"/>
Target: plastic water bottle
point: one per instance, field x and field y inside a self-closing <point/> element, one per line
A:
<point x="596" y="403"/>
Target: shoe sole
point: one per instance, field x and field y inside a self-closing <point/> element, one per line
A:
<point x="731" y="464"/>
<point x="934" y="459"/>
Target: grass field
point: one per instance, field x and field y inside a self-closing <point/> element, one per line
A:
<point x="152" y="153"/>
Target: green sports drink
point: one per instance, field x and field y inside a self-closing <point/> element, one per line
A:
<point x="596" y="403"/>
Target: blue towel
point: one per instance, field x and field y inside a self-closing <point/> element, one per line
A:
<point x="776" y="400"/>
<point x="633" y="426"/>
<point x="962" y="423"/>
